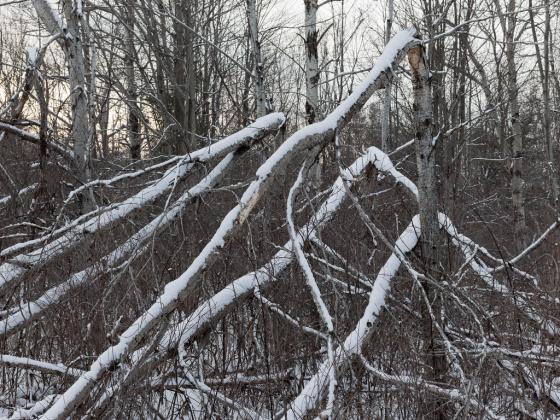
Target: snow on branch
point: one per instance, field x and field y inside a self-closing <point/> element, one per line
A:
<point x="23" y="191"/>
<point x="463" y="243"/>
<point x="49" y="16"/>
<point x="108" y="182"/>
<point x="34" y="138"/>
<point x="382" y="71"/>
<point x="10" y="271"/>
<point x="26" y="312"/>
<point x="312" y="393"/>
<point x="45" y="367"/>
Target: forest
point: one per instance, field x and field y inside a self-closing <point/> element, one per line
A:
<point x="292" y="209"/>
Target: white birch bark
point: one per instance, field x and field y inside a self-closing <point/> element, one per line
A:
<point x="386" y="141"/>
<point x="71" y="44"/>
<point x="428" y="208"/>
<point x="312" y="61"/>
<point x="258" y="76"/>
<point x="76" y="76"/>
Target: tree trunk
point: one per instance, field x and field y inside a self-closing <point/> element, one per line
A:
<point x="386" y="138"/>
<point x="431" y="237"/>
<point x="76" y="74"/>
<point x="258" y="76"/>
<point x="80" y="133"/>
<point x="312" y="80"/>
<point x="517" y="195"/>
<point x="312" y="61"/>
<point x="134" y="138"/>
<point x="184" y="78"/>
<point x="553" y="167"/>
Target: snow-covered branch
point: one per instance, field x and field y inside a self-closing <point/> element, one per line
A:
<point x="10" y="271"/>
<point x="28" y="311"/>
<point x="312" y="393"/>
<point x="175" y="291"/>
<point x="35" y="139"/>
<point x="40" y="366"/>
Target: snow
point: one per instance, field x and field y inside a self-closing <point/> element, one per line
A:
<point x="34" y="411"/>
<point x="32" y="54"/>
<point x="6" y="200"/>
<point x="48" y="13"/>
<point x="79" y="8"/>
<point x="10" y="360"/>
<point x="270" y="272"/>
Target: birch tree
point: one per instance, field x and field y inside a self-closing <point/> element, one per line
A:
<point x="386" y="116"/>
<point x="252" y="18"/>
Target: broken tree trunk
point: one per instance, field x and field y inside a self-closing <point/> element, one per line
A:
<point x="428" y="209"/>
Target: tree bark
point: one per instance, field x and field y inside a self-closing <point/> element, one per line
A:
<point x="386" y="138"/>
<point x="134" y="137"/>
<point x="517" y="184"/>
<point x="184" y="111"/>
<point x="552" y="164"/>
<point x="312" y="61"/>
<point x="311" y="81"/>
<point x="431" y="238"/>
<point x="260" y="100"/>
<point x="76" y="74"/>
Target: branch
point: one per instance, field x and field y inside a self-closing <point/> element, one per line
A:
<point x="312" y="393"/>
<point x="9" y="272"/>
<point x="34" y="138"/>
<point x="175" y="291"/>
<point x="45" y="367"/>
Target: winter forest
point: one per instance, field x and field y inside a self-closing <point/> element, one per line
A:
<point x="295" y="209"/>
